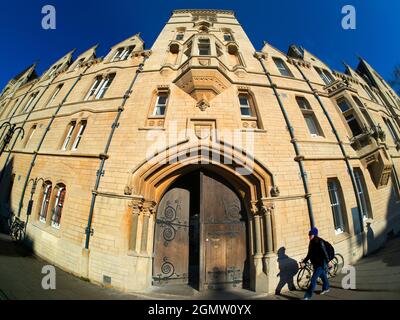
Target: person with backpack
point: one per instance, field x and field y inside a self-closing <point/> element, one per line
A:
<point x="320" y="253"/>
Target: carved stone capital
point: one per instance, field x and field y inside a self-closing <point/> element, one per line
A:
<point x="254" y="208"/>
<point x="137" y="205"/>
<point x="149" y="208"/>
<point x="267" y="210"/>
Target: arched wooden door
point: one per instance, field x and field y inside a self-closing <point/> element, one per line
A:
<point x="200" y="236"/>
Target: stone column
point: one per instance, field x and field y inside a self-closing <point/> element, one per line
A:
<point x="270" y="258"/>
<point x="135" y="236"/>
<point x="147" y="228"/>
<point x="258" y="277"/>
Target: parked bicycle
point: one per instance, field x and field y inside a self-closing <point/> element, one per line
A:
<point x="17" y="229"/>
<point x="305" y="273"/>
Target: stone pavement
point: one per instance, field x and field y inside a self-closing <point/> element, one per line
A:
<point x="378" y="277"/>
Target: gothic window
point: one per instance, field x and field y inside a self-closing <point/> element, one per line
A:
<point x="245" y="105"/>
<point x="54" y="95"/>
<point x="30" y="135"/>
<point x="172" y="56"/>
<point x="350" y="116"/>
<point x="29" y="104"/>
<point x="309" y="116"/>
<point x="53" y="70"/>
<point x="11" y="109"/>
<point x="282" y="67"/>
<point x="100" y="87"/>
<point x="234" y="57"/>
<point x="325" y="75"/>
<point x="2" y="110"/>
<point x="337" y="205"/>
<point x="47" y="188"/>
<point x="94" y="87"/>
<point x="105" y="85"/>
<point x="369" y="92"/>
<point x="362" y="193"/>
<point x="161" y="104"/>
<point x="228" y="37"/>
<point x="60" y="192"/>
<point x="364" y="111"/>
<point x="353" y="124"/>
<point x="70" y="131"/>
<point x="82" y="127"/>
<point x="204" y="47"/>
<point x="79" y="63"/>
<point x="391" y="129"/>
<point x="122" y="54"/>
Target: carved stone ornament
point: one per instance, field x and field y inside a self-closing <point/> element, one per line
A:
<point x="202" y="131"/>
<point x="275" y="191"/>
<point x="203" y="104"/>
<point x="128" y="190"/>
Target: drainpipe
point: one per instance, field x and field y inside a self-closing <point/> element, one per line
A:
<point x="25" y="120"/>
<point x="42" y="140"/>
<point x="104" y="156"/>
<point x="299" y="157"/>
<point x="342" y="149"/>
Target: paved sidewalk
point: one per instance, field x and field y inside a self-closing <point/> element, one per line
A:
<point x="378" y="277"/>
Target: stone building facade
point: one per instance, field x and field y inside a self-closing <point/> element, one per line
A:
<point x="199" y="159"/>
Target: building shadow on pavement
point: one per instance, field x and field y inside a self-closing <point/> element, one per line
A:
<point x="7" y="246"/>
<point x="12" y="249"/>
<point x="288" y="269"/>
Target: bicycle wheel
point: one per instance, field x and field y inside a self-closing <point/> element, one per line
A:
<point x="339" y="262"/>
<point x="303" y="278"/>
<point x="332" y="271"/>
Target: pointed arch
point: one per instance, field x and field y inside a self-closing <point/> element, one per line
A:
<point x="151" y="178"/>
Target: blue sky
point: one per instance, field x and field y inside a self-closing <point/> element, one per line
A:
<point x="314" y="24"/>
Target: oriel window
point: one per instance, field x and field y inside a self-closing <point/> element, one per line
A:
<point x="204" y="47"/>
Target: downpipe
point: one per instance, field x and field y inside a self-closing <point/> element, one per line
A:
<point x="32" y="164"/>
<point x="346" y="157"/>
<point x="299" y="157"/>
<point x="104" y="156"/>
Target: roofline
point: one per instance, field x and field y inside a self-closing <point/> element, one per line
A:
<point x="215" y="11"/>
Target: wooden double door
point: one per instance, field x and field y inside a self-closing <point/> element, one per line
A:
<point x="200" y="235"/>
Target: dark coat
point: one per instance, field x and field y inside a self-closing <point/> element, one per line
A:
<point x="316" y="253"/>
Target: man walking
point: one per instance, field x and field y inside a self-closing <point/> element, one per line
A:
<point x="320" y="260"/>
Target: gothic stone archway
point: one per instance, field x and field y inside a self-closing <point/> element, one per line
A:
<point x="151" y="181"/>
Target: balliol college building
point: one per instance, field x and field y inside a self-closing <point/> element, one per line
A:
<point x="200" y="161"/>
